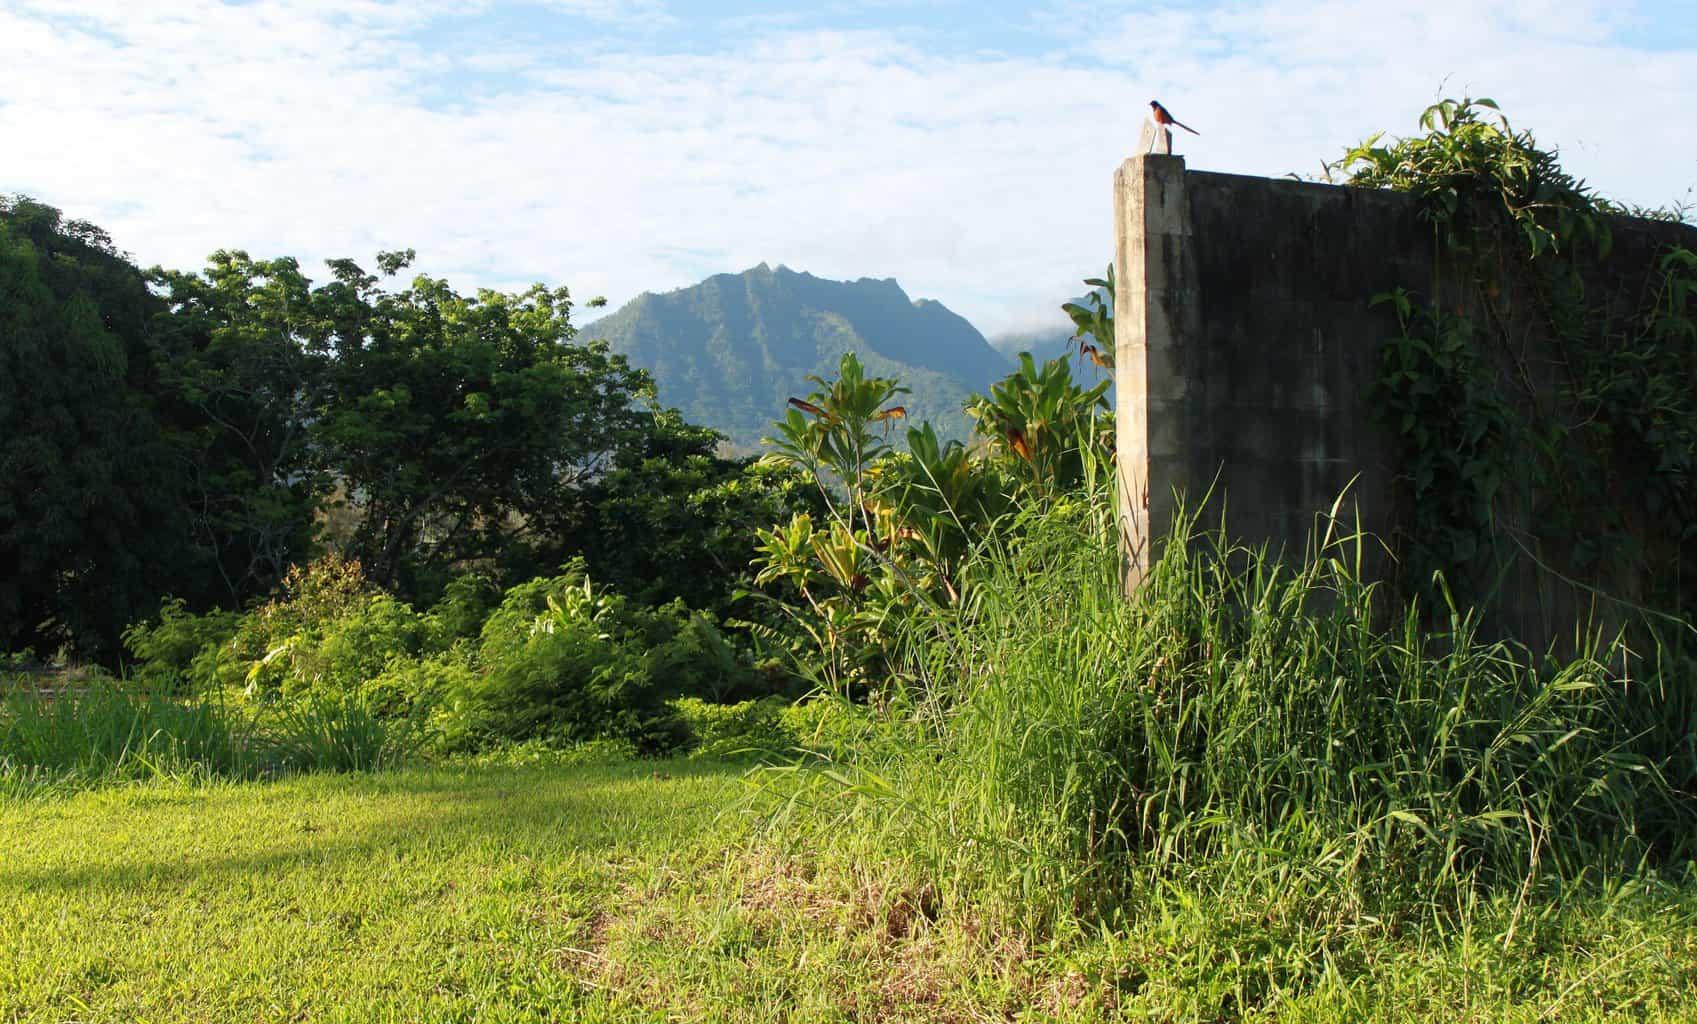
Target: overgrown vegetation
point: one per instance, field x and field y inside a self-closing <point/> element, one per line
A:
<point x="900" y="526"/>
<point x="1260" y="786"/>
<point x="1541" y="394"/>
<point x="1244" y="718"/>
<point x="103" y="733"/>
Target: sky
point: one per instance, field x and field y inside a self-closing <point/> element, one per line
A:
<point x="966" y="149"/>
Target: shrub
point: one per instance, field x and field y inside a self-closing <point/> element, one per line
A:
<point x="414" y="687"/>
<point x="706" y="664"/>
<point x="328" y="634"/>
<point x="340" y="733"/>
<point x="180" y="652"/>
<point x="460" y="613"/>
<point x="891" y="555"/>
<point x="564" y="661"/>
<point x="751" y="728"/>
<point x="255" y="658"/>
<point x="557" y="659"/>
<point x="356" y="647"/>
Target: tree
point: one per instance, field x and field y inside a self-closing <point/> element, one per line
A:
<point x="238" y="381"/>
<point x="464" y="429"/>
<point x="672" y="520"/>
<point x="90" y="511"/>
<point x="195" y="438"/>
<point x="453" y="430"/>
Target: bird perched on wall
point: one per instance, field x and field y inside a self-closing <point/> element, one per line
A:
<point x="1164" y="118"/>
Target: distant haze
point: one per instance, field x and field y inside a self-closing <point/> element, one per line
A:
<point x="1044" y="337"/>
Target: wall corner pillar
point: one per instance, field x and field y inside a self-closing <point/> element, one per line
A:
<point x="1157" y="319"/>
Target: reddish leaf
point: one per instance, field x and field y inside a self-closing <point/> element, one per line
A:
<point x="1016" y="441"/>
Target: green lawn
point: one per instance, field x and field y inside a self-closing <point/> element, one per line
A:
<point x="419" y="895"/>
<point x="628" y="893"/>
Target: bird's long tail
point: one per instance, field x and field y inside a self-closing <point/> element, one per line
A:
<point x="1187" y="128"/>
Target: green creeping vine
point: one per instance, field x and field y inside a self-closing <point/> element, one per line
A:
<point x="1532" y="418"/>
<point x="1452" y="426"/>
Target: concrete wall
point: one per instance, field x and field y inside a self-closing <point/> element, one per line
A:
<point x="1245" y="345"/>
<point x="1246" y="349"/>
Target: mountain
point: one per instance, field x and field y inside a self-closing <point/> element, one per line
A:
<point x="729" y="351"/>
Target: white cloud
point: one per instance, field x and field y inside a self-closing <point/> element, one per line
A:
<point x="327" y="129"/>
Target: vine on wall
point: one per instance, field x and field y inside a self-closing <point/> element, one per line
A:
<point x="1544" y="405"/>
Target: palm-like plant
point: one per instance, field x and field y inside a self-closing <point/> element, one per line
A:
<point x="839" y="431"/>
<point x="1039" y="422"/>
<point x="939" y="501"/>
<point x="1094" y="317"/>
<point x="903" y="523"/>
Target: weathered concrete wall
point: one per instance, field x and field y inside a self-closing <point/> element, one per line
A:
<point x="1246" y="352"/>
<point x="1245" y="345"/>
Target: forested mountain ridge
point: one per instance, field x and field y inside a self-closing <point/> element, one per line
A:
<point x="727" y="352"/>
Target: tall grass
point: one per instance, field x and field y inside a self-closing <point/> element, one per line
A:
<point x="109" y="733"/>
<point x="340" y="734"/>
<point x="1254" y="722"/>
<point x="106" y="733"/>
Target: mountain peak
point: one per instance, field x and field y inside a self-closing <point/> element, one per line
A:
<point x="730" y="350"/>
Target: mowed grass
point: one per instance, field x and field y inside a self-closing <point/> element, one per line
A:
<point x="415" y="895"/>
<point x="638" y="892"/>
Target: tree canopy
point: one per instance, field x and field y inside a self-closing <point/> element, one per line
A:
<point x="198" y="433"/>
<point x="89" y="517"/>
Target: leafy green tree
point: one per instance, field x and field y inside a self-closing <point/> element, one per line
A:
<point x="238" y="383"/>
<point x="462" y="427"/>
<point x="90" y="517"/>
<point x="203" y="436"/>
<point x="457" y="430"/>
<point x="673" y="520"/>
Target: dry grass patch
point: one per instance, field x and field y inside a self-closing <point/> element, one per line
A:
<point x="766" y="933"/>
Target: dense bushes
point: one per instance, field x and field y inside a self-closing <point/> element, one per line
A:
<point x="336" y="674"/>
<point x="561" y="660"/>
<point x="327" y="631"/>
<point x="179" y="653"/>
<point x="564" y="660"/>
<point x="558" y="659"/>
<point x="751" y="728"/>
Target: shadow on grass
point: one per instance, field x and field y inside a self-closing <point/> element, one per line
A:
<point x="332" y="822"/>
